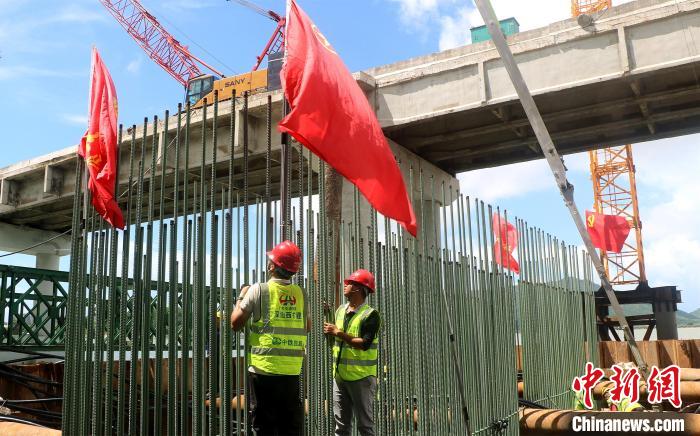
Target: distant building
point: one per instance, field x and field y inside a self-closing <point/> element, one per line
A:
<point x="509" y="26"/>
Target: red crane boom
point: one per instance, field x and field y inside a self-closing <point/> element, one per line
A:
<point x="160" y="45"/>
<point x="276" y="42"/>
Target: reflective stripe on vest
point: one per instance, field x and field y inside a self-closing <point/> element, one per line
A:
<point x="278" y="338"/>
<point x="354" y="364"/>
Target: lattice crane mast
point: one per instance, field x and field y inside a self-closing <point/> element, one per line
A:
<point x="615" y="189"/>
<point x="276" y="42"/>
<point x="160" y="45"/>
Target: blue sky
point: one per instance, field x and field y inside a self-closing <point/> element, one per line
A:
<point x="45" y="57"/>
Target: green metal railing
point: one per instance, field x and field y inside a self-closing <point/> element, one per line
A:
<point x="197" y="230"/>
<point x="33" y="304"/>
<point x="34" y="301"/>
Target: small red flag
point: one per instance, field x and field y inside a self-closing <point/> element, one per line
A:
<point x="99" y="144"/>
<point x="608" y="232"/>
<point x="331" y="116"/>
<point x="506" y="241"/>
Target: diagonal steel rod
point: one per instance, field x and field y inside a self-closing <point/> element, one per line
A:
<point x="556" y="165"/>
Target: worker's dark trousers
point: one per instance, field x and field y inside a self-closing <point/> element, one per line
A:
<point x="275" y="405"/>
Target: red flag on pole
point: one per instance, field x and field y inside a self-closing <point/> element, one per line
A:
<point x="331" y="116"/>
<point x="99" y="144"/>
<point x="608" y="232"/>
<point x="505" y="242"/>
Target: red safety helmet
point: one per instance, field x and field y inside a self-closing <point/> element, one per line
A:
<point x="286" y="255"/>
<point x="363" y="277"/>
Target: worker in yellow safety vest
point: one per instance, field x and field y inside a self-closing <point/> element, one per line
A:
<point x="279" y="321"/>
<point x="624" y="405"/>
<point x="355" y="349"/>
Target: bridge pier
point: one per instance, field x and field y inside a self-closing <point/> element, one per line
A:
<point x="666" y="325"/>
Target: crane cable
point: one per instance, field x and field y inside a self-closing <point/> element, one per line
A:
<point x="187" y="37"/>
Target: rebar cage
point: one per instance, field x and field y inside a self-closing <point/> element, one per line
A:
<point x="149" y="349"/>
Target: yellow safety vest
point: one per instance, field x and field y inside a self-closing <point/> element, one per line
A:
<point x="278" y="339"/>
<point x="354" y="364"/>
<point x="625" y="405"/>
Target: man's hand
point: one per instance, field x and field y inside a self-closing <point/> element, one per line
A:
<point x="354" y="342"/>
<point x="330" y="329"/>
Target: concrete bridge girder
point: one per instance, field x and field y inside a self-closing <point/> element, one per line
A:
<point x="31" y="209"/>
<point x="13" y="238"/>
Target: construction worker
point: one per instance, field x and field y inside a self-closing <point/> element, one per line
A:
<point x="279" y="321"/>
<point x="355" y="356"/>
<point x="624" y="405"/>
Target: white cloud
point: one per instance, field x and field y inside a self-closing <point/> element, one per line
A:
<point x="77" y="14"/>
<point x="76" y="119"/>
<point x="454" y="18"/>
<point x="14" y="71"/>
<point x="529" y="17"/>
<point x="28" y="33"/>
<point x="135" y="65"/>
<point x="493" y="184"/>
<point x="454" y="29"/>
<point x="498" y="183"/>
<point x="411" y="10"/>
<point x="8" y="6"/>
<point x="423" y="15"/>
<point x="180" y="5"/>
<point x="668" y="185"/>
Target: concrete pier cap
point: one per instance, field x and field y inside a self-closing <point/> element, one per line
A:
<point x="411" y="166"/>
<point x="14" y="238"/>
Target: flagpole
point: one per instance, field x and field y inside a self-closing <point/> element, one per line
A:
<point x="284" y="188"/>
<point x="284" y="173"/>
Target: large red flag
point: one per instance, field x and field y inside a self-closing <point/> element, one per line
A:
<point x="608" y="232"/>
<point x="99" y="144"/>
<point x="331" y="116"/>
<point x="506" y="241"/>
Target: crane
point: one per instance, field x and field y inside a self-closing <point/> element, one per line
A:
<point x="184" y="66"/>
<point x="615" y="189"/>
<point x="160" y="45"/>
<point x="276" y="42"/>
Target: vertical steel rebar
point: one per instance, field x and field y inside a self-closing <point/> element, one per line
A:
<point x="213" y="227"/>
<point x="212" y="334"/>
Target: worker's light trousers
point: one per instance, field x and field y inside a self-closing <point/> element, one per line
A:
<point x="354" y="398"/>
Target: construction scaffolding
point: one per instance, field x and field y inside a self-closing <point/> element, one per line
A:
<point x="149" y="349"/>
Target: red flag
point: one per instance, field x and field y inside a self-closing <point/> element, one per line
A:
<point x="608" y="232"/>
<point x="99" y="144"/>
<point x="506" y="241"/>
<point x="331" y="116"/>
